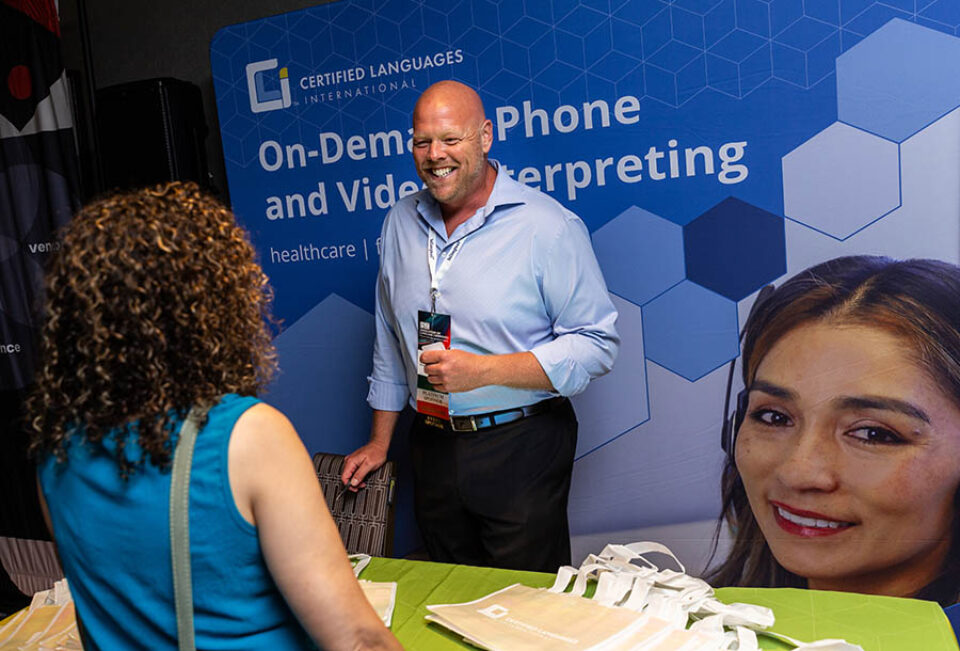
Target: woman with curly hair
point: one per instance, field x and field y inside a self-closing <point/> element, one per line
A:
<point x="844" y="472"/>
<point x="155" y="304"/>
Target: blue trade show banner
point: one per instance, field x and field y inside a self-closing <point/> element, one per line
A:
<point x="710" y="146"/>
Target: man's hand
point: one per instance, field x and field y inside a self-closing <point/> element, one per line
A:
<point x="452" y="371"/>
<point x="457" y="370"/>
<point x="360" y="463"/>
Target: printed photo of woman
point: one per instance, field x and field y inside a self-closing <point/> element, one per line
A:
<point x="845" y="462"/>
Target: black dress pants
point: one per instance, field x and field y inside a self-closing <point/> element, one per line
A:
<point x="497" y="497"/>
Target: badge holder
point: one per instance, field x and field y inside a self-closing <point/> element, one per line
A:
<point x="433" y="333"/>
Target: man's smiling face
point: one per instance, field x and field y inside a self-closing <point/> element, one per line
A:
<point x="450" y="141"/>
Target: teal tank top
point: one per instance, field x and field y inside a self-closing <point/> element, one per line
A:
<point x="114" y="542"/>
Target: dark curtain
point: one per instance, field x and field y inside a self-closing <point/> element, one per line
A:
<point x="39" y="191"/>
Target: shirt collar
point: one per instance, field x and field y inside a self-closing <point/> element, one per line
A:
<point x="505" y="194"/>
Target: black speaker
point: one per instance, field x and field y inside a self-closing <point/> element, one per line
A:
<point x="151" y="131"/>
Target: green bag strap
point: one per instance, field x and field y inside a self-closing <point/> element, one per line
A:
<point x="180" y="528"/>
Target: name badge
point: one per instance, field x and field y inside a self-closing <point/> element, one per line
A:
<point x="433" y="333"/>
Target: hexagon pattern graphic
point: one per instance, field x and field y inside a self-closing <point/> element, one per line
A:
<point x="335" y="393"/>
<point x="841" y="180"/>
<point x="735" y="248"/>
<point x="805" y="52"/>
<point x="690" y="330"/>
<point x="942" y="15"/>
<point x="894" y="77"/>
<point x="641" y="254"/>
<point x="617" y="402"/>
<point x="675" y="73"/>
<point x="731" y="46"/>
<point x="898" y="80"/>
<point x="739" y="63"/>
<point x="665" y="470"/>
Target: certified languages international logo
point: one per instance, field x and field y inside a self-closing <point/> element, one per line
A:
<point x="263" y="98"/>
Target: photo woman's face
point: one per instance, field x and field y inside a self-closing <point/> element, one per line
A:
<point x="850" y="457"/>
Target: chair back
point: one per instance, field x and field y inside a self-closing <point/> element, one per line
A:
<point x="364" y="518"/>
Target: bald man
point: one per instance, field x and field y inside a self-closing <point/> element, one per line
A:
<point x="491" y="310"/>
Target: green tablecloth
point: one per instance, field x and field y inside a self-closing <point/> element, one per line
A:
<point x="875" y="623"/>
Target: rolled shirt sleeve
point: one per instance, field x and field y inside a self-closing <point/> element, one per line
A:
<point x="575" y="295"/>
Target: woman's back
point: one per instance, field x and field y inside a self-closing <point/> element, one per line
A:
<point x="114" y="541"/>
<point x="155" y="303"/>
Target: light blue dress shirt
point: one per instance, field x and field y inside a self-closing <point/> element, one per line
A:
<point x="525" y="279"/>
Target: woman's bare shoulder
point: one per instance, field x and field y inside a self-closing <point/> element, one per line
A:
<point x="264" y="429"/>
<point x="265" y="452"/>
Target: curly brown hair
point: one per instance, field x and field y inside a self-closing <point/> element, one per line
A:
<point x="155" y="303"/>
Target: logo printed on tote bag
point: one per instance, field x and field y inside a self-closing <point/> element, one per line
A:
<point x="495" y="611"/>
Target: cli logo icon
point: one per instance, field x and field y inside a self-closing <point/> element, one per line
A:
<point x="264" y="99"/>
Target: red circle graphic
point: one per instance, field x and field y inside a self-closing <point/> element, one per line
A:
<point x="19" y="82"/>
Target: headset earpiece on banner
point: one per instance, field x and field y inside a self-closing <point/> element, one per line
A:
<point x="732" y="422"/>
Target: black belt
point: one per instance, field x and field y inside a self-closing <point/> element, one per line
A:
<point x="476" y="422"/>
